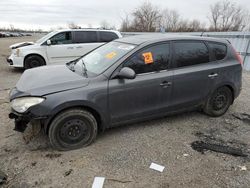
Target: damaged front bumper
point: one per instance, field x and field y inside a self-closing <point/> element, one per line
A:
<point x="22" y="120"/>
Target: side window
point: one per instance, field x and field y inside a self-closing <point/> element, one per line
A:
<point x="107" y="36"/>
<point x="154" y="58"/>
<point x="190" y="53"/>
<point x="219" y="50"/>
<point x="61" y="38"/>
<point x="85" y="37"/>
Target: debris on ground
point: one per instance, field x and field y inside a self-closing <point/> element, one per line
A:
<point x="201" y="146"/>
<point x="53" y="155"/>
<point x="242" y="116"/>
<point x="67" y="173"/>
<point x="119" y="181"/>
<point x="243" y="168"/>
<point x="157" y="167"/>
<point x="185" y="155"/>
<point x="3" y="177"/>
<point x="98" y="182"/>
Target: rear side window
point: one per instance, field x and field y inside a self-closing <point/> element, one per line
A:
<point x="189" y="53"/>
<point x="219" y="50"/>
<point x="61" y="38"/>
<point x="85" y="37"/>
<point x="107" y="36"/>
<point x="152" y="59"/>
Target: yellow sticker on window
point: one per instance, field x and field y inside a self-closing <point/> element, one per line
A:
<point x="148" y="57"/>
<point x="110" y="55"/>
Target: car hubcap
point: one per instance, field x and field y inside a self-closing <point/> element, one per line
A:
<point x="220" y="101"/>
<point x="35" y="63"/>
<point x="74" y="131"/>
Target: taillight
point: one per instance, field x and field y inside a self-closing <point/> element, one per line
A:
<point x="237" y="55"/>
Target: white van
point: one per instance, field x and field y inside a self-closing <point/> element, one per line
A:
<point x="59" y="47"/>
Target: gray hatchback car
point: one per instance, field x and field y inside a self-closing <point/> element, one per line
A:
<point x="125" y="81"/>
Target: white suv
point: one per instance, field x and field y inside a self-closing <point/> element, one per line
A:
<point x="59" y="47"/>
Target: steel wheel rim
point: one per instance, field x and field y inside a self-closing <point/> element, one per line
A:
<point x="74" y="131"/>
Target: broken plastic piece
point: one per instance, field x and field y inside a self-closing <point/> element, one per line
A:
<point x="157" y="167"/>
<point x="243" y="168"/>
<point x="98" y="182"/>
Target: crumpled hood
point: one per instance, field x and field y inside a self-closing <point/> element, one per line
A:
<point x="21" y="44"/>
<point x="49" y="79"/>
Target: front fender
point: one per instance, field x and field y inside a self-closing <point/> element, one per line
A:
<point x="77" y="104"/>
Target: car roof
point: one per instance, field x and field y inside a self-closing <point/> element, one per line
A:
<point x="160" y="37"/>
<point x="88" y="29"/>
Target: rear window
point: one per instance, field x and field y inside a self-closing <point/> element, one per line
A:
<point x="85" y="37"/>
<point x="219" y="50"/>
<point x="189" y="53"/>
<point x="107" y="36"/>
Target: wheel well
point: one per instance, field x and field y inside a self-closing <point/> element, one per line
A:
<point x="34" y="55"/>
<point x="91" y="110"/>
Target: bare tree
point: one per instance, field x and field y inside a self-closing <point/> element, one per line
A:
<point x="227" y="16"/>
<point x="106" y="25"/>
<point x="72" y="25"/>
<point x="146" y="18"/>
<point x="170" y="20"/>
<point x="126" y="24"/>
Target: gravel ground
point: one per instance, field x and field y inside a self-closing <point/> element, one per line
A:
<point x="123" y="155"/>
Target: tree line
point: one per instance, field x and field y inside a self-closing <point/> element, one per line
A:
<point x="222" y="16"/>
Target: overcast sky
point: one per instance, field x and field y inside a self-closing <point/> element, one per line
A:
<point x="46" y="14"/>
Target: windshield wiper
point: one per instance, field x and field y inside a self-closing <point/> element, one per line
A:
<point x="84" y="69"/>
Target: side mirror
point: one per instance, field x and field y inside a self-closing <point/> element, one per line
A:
<point x="48" y="42"/>
<point x="126" y="73"/>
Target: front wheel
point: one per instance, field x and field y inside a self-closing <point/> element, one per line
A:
<point x="219" y="102"/>
<point x="72" y="129"/>
<point x="33" y="61"/>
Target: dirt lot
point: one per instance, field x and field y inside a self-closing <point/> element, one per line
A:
<point x="123" y="154"/>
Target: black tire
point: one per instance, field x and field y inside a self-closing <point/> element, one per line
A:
<point x="33" y="61"/>
<point x="72" y="129"/>
<point x="219" y="102"/>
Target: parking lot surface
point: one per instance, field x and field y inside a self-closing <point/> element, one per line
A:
<point x="123" y="155"/>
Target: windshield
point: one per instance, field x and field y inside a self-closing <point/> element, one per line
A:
<point x="46" y="37"/>
<point x="102" y="58"/>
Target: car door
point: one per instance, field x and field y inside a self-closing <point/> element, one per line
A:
<point x="142" y="97"/>
<point x="194" y="74"/>
<point x="85" y="41"/>
<point x="61" y="49"/>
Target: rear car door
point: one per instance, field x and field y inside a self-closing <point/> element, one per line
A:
<point x="85" y="41"/>
<point x="142" y="96"/>
<point x="194" y="73"/>
<point x="61" y="49"/>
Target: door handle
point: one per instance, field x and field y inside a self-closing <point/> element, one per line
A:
<point x="213" y="75"/>
<point x="166" y="84"/>
<point x="79" y="47"/>
<point x="70" y="48"/>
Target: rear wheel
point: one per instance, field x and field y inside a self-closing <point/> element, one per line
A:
<point x="33" y="61"/>
<point x="219" y="102"/>
<point x="73" y="129"/>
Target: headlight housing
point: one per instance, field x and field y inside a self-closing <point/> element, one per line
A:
<point x="22" y="104"/>
<point x="16" y="52"/>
